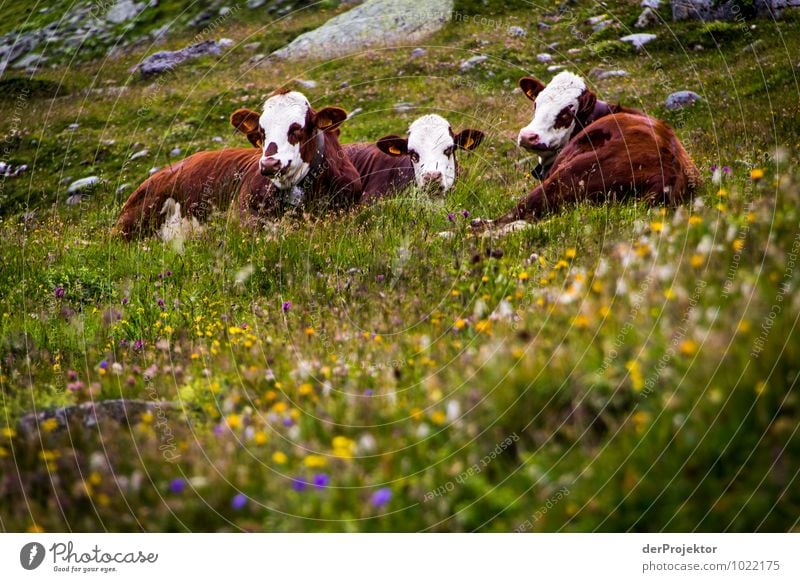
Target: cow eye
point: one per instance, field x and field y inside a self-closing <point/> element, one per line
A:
<point x="414" y="156"/>
<point x="449" y="151"/>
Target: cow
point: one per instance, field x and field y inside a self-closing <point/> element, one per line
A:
<point x="427" y="157"/>
<point x="297" y="161"/>
<point x="605" y="153"/>
<point x="561" y="110"/>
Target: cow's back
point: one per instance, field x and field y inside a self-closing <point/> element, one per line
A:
<point x="381" y="174"/>
<point x="199" y="183"/>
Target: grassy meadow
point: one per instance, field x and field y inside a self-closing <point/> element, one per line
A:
<point x="613" y="368"/>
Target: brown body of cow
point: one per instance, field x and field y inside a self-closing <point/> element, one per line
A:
<point x="381" y="174"/>
<point x="619" y="155"/>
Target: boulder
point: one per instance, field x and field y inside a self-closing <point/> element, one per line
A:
<point x="472" y="62"/>
<point x="83" y="184"/>
<point x="372" y="24"/>
<point x="647" y="18"/>
<point x="681" y="99"/>
<point x="164" y="61"/>
<point x="708" y="10"/>
<point x="123" y="10"/>
<point x="639" y="39"/>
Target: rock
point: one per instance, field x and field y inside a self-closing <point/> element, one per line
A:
<point x="123" y="10"/>
<point x="373" y="23"/>
<point x="402" y="106"/>
<point x="29" y="60"/>
<point x="516" y="31"/>
<point x="163" y="61"/>
<point x="139" y="154"/>
<point x="639" y="39"/>
<point x="544" y="57"/>
<point x="654" y="4"/>
<point x="681" y="99"/>
<point x="73" y="126"/>
<point x="253" y="4"/>
<point x="224" y="11"/>
<point x="153" y="170"/>
<point x="307" y="83"/>
<point x="600" y="74"/>
<point x="251" y="46"/>
<point x="217" y="139"/>
<point x="648" y="17"/>
<point x="596" y="19"/>
<point x="554" y="68"/>
<point x="601" y="25"/>
<point x="83" y="184"/>
<point x="90" y="414"/>
<point x="74" y="199"/>
<point x="122" y="187"/>
<point x="176" y="151"/>
<point x="472" y="62"/>
<point x="728" y="10"/>
<point x="226" y="42"/>
<point x="255" y="59"/>
<point x="418" y="52"/>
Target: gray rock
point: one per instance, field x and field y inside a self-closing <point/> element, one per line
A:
<point x="516" y="31"/>
<point x="544" y="58"/>
<point x="29" y="60"/>
<point x="73" y="126"/>
<point x="255" y="59"/>
<point x="554" y="68"/>
<point x="153" y="170"/>
<point x="83" y="184"/>
<point x="373" y="23"/>
<point x="647" y="18"/>
<point x="403" y="106"/>
<point x="123" y="10"/>
<point x="176" y="151"/>
<point x="681" y="99"/>
<point x="600" y="74"/>
<point x="472" y="62"/>
<point x="253" y="4"/>
<point x="226" y="42"/>
<point x="708" y="10"/>
<point x="639" y="39"/>
<point x="74" y="199"/>
<point x="654" y="4"/>
<point x="122" y="187"/>
<point x="418" y="52"/>
<point x="139" y="154"/>
<point x="164" y="61"/>
<point x="251" y="46"/>
<point x="216" y="139"/>
<point x="601" y="25"/>
<point x="90" y="414"/>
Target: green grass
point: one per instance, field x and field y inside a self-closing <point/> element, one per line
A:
<point x="613" y="368"/>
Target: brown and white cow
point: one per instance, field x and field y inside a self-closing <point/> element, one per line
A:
<point x="561" y="109"/>
<point x="618" y="155"/>
<point x="427" y="157"/>
<point x="299" y="162"/>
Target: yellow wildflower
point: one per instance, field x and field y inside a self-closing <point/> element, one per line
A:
<point x="438" y="417"/>
<point x="688" y="347"/>
<point x="570" y="253"/>
<point x="315" y="461"/>
<point x="279" y="457"/>
<point x="756" y="174"/>
<point x="523" y="276"/>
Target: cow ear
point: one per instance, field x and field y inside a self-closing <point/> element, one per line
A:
<point x="248" y="123"/>
<point x="394" y="145"/>
<point x="329" y="118"/>
<point x="531" y="87"/>
<point x="469" y="139"/>
<point x="586" y="103"/>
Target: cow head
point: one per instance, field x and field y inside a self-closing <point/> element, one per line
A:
<point x="432" y="145"/>
<point x="286" y="134"/>
<point x="558" y="108"/>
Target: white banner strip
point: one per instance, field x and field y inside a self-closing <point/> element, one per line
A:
<point x="400" y="557"/>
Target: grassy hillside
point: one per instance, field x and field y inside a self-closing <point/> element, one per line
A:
<point x="615" y="367"/>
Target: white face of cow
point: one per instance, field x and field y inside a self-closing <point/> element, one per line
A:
<point x="554" y="112"/>
<point x="431" y="145"/>
<point x="283" y="123"/>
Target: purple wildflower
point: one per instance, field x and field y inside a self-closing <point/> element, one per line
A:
<point x="369" y="392"/>
<point x="381" y="497"/>
<point x="177" y="485"/>
<point x="287" y="305"/>
<point x="713" y="168"/>
<point x="161" y="303"/>
<point x="465" y="213"/>
<point x="321" y="480"/>
<point x="123" y="343"/>
<point x="299" y="484"/>
<point x="138" y="344"/>
<point x="59" y="292"/>
<point x="451" y="217"/>
<point x="169" y="273"/>
<point x="380" y="278"/>
<point x="239" y="501"/>
<point x="125" y="300"/>
<point x="726" y="169"/>
<point x="103" y="364"/>
<point x="287" y="421"/>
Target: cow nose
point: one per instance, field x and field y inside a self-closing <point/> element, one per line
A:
<point x="429" y="177"/>
<point x="269" y="166"/>
<point x="530" y="141"/>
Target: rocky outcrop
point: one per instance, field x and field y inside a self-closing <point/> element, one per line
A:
<point x="372" y="24"/>
<point x="728" y="9"/>
<point x="164" y="61"/>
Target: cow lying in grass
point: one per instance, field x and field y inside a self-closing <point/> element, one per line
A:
<point x="597" y="156"/>
<point x="426" y="157"/>
<point x="298" y="162"/>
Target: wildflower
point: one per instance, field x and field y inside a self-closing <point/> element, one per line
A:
<point x="381" y="497"/>
<point x="343" y="447"/>
<point x="8" y="432"/>
<point x="669" y="293"/>
<point x="321" y="480"/>
<point x="310" y="331"/>
<point x="571" y="253"/>
<point x="483" y="326"/>
<point x="635" y="372"/>
<point x="696" y="261"/>
<point x="657" y="226"/>
<point x="756" y="174"/>
<point x="459" y="324"/>
<point x="523" y="276"/>
<point x="688" y="347"/>
<point x="138" y="344"/>
<point x="738" y="245"/>
<point x="161" y="303"/>
<point x="49" y="425"/>
<point x="722" y="192"/>
<point x="261" y="438"/>
<point x="726" y="169"/>
<point x="279" y="457"/>
<point x="438" y="417"/>
<point x="695" y="220"/>
<point x="177" y="485"/>
<point x="287" y="305"/>
<point x="239" y="501"/>
<point x="299" y="484"/>
<point x="125" y="300"/>
<point x="315" y="461"/>
<point x="380" y="278"/>
<point x="234" y="421"/>
<point x="451" y="217"/>
<point x="59" y="292"/>
<point x="465" y="213"/>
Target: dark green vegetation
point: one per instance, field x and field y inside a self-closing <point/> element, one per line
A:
<point x="613" y="368"/>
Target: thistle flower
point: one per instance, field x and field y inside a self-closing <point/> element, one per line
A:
<point x="287" y="305"/>
<point x="59" y="292"/>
